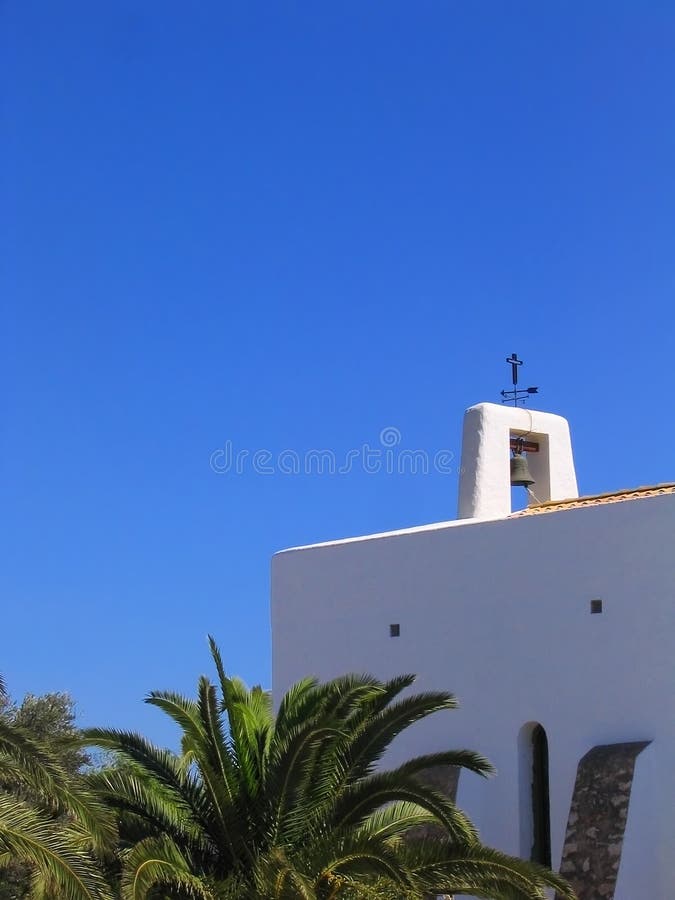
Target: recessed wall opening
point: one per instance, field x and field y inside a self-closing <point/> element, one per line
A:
<point x="536" y="454"/>
<point x="394" y="630"/>
<point x="535" y="812"/>
<point x="596" y="607"/>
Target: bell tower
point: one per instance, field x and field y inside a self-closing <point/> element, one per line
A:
<point x="491" y="433"/>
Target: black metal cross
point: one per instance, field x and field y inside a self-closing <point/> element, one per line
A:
<point x="516" y="395"/>
<point x="515" y="362"/>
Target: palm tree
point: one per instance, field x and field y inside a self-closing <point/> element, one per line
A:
<point x="49" y="822"/>
<point x="297" y="806"/>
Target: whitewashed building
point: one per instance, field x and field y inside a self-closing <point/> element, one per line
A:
<point x="555" y="628"/>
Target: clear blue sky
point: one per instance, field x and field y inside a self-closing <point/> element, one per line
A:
<point x="289" y="225"/>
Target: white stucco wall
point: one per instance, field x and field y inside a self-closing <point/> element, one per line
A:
<point x="498" y="612"/>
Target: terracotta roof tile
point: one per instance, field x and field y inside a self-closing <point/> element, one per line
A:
<point x="598" y="499"/>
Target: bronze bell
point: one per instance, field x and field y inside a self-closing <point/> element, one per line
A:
<point x="520" y="474"/>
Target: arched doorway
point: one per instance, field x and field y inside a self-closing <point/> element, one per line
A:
<point x="535" y="812"/>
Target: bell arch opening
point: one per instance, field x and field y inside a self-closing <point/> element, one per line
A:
<point x="534" y="791"/>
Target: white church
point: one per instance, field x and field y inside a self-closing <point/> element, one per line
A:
<point x="554" y="626"/>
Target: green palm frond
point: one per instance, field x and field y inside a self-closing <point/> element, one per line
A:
<point x="158" y="863"/>
<point x="250" y="735"/>
<point x="213" y="749"/>
<point x="219" y="775"/>
<point x="182" y="710"/>
<point x="276" y="878"/>
<point x="461" y="759"/>
<point x="379" y="731"/>
<point x="163" y="765"/>
<point x="55" y="850"/>
<point x="310" y="703"/>
<point x="295" y="705"/>
<point x="381" y="700"/>
<point x="367" y="862"/>
<point x="29" y="763"/>
<point x="396" y="820"/>
<point x="287" y="778"/>
<point x="129" y="791"/>
<point x="444" y="867"/>
<point x="361" y="800"/>
<point x="250" y="722"/>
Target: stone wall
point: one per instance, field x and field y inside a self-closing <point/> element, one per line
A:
<point x="443" y="779"/>
<point x="597" y="820"/>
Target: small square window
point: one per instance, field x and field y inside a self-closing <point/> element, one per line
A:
<point x="596" y="606"/>
<point x="394" y="630"/>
